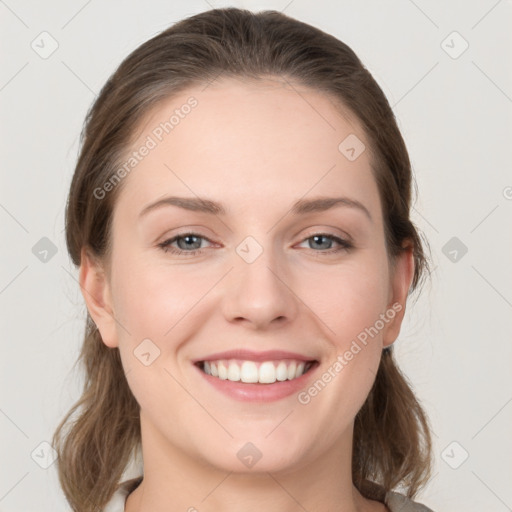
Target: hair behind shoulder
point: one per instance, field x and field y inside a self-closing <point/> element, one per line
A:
<point x="392" y="443"/>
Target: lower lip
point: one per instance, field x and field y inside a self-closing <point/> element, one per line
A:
<point x="259" y="392"/>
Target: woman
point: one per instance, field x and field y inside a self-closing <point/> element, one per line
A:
<point x="240" y="217"/>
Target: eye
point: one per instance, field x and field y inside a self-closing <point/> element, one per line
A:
<point x="318" y="239"/>
<point x="186" y="241"/>
<point x="190" y="243"/>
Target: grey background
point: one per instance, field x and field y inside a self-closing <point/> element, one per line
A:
<point x="455" y="112"/>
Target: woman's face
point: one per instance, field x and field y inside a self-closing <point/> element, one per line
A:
<point x="274" y="277"/>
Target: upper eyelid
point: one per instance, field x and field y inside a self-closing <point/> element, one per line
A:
<point x="313" y="231"/>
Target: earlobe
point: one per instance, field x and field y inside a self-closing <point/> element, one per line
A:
<point x="96" y="292"/>
<point x="401" y="280"/>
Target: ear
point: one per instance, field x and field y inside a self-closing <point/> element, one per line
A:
<point x="402" y="274"/>
<point x="97" y="295"/>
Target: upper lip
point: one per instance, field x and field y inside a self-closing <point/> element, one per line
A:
<point x="250" y="355"/>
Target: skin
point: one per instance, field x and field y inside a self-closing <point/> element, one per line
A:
<point x="256" y="148"/>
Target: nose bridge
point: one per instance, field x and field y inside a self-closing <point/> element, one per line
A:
<point x="256" y="288"/>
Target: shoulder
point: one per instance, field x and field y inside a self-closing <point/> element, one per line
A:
<point x="399" y="503"/>
<point x="117" y="502"/>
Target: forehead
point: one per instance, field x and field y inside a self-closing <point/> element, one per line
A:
<point x="247" y="142"/>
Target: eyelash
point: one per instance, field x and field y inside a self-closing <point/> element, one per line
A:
<point x="166" y="245"/>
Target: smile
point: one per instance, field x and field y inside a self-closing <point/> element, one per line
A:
<point x="263" y="372"/>
<point x="257" y="376"/>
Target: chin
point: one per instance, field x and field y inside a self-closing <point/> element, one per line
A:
<point x="254" y="454"/>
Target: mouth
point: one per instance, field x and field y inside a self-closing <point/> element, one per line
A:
<point x="252" y="372"/>
<point x="257" y="376"/>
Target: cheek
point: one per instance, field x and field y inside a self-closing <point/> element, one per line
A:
<point x="347" y="298"/>
<point x="152" y="300"/>
<point x="350" y="304"/>
<point x="156" y="306"/>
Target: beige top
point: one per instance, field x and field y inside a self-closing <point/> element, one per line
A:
<point x="394" y="501"/>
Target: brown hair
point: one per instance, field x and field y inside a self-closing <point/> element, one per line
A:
<point x="392" y="443"/>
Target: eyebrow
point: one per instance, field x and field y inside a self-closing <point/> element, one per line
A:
<point x="301" y="207"/>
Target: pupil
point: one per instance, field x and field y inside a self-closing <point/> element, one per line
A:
<point x="187" y="239"/>
<point x="317" y="237"/>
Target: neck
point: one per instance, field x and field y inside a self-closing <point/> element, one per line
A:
<point x="174" y="481"/>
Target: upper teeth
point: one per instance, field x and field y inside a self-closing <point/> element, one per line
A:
<point x="266" y="372"/>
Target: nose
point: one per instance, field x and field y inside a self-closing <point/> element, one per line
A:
<point x="260" y="293"/>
